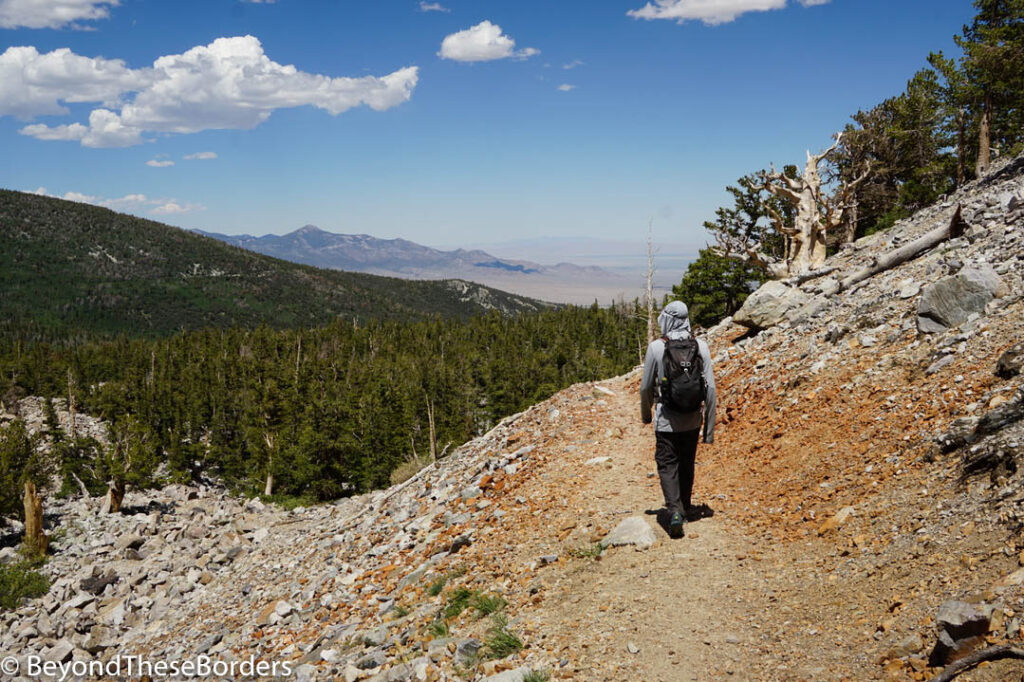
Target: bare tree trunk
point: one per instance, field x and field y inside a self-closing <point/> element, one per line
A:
<point x="115" y="496"/>
<point x="72" y="431"/>
<point x="652" y="323"/>
<point x="985" y="137"/>
<point x="35" y="539"/>
<point x="850" y="223"/>
<point x="433" y="433"/>
<point x="268" y="487"/>
<point x="81" y="486"/>
<point x="961" y="148"/>
<point x="907" y="252"/>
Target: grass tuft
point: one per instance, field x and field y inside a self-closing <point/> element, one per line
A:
<point x="487" y="604"/>
<point x="537" y="676"/>
<point x="439" y="629"/>
<point x="501" y="643"/>
<point x="587" y="552"/>
<point x="458" y="601"/>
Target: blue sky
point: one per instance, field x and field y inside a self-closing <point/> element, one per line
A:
<point x="378" y="128"/>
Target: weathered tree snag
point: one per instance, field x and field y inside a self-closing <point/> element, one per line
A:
<point x="115" y="496"/>
<point x="815" y="214"/>
<point x="652" y="323"/>
<point x="985" y="137"/>
<point x="35" y="539"/>
<point x="72" y="430"/>
<point x="81" y="486"/>
<point x="433" y="430"/>
<point x="910" y="251"/>
<point x="268" y="488"/>
<point x="992" y="653"/>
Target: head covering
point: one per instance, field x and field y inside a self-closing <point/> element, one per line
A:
<point x="674" y="320"/>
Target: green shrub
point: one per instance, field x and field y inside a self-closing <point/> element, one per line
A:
<point x="537" y="676"/>
<point x="19" y="581"/>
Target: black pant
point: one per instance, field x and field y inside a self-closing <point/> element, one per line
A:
<point x="675" y="454"/>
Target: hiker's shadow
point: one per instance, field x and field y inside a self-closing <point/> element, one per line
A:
<point x="697" y="513"/>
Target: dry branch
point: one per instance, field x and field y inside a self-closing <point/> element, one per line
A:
<point x="992" y="653"/>
<point x="910" y="251"/>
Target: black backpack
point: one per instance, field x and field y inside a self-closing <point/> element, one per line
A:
<point x="682" y="377"/>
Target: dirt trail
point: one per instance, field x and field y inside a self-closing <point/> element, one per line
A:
<point x="678" y="611"/>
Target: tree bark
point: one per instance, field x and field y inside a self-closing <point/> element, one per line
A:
<point x="35" y="539"/>
<point x="907" y="252"/>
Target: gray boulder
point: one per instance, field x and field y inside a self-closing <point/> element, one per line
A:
<point x="951" y="300"/>
<point x="632" y="531"/>
<point x="770" y="305"/>
<point x="1011" y="362"/>
<point x="961" y="625"/>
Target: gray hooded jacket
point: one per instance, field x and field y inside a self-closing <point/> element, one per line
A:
<point x="675" y="324"/>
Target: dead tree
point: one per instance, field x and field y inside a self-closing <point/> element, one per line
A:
<point x="652" y="324"/>
<point x="35" y="539"/>
<point x="268" y="487"/>
<point x="433" y="431"/>
<point x="956" y="227"/>
<point x="814" y="214"/>
<point x="115" y="496"/>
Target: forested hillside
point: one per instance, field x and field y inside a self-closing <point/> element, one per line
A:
<point x="68" y="269"/>
<point x="318" y="412"/>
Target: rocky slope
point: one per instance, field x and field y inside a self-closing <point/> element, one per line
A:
<point x="863" y="503"/>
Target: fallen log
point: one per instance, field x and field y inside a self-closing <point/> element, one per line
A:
<point x="808" y="276"/>
<point x="956" y="227"/>
<point x="992" y="653"/>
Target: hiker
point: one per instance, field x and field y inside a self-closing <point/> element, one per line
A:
<point x="685" y="397"/>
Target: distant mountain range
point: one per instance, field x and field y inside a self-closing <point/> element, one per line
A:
<point x="310" y="245"/>
<point x="68" y="269"/>
<point x="392" y="257"/>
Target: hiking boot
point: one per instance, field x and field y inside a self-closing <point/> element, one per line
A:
<point x="677" y="525"/>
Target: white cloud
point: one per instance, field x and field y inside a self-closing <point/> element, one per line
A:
<point x="129" y="203"/>
<point x="711" y="12"/>
<point x="52" y="13"/>
<point x="201" y="156"/>
<point x="482" y="43"/>
<point x="173" y="207"/>
<point x="565" y="87"/>
<point x="228" y="84"/>
<point x="33" y="84"/>
<point x="159" y="163"/>
<point x="432" y="7"/>
<point x="573" y="64"/>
